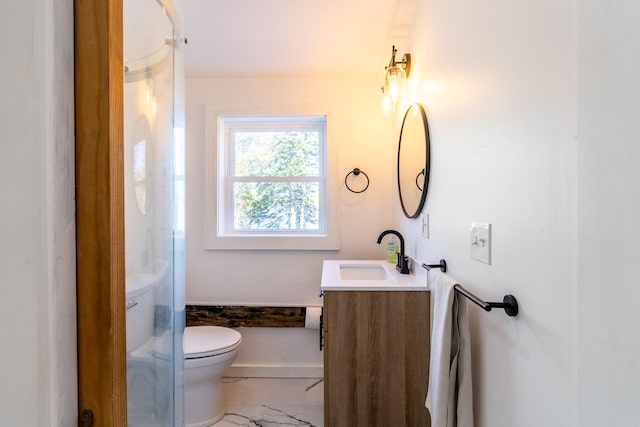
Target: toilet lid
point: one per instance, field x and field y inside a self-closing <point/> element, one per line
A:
<point x="204" y="341"/>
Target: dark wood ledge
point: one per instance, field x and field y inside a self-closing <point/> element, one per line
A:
<point x="245" y="316"/>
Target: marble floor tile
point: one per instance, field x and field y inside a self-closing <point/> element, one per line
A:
<point x="273" y="402"/>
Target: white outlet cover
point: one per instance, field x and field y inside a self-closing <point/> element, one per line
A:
<point x="480" y="242"/>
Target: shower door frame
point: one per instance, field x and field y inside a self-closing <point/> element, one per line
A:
<point x="99" y="77"/>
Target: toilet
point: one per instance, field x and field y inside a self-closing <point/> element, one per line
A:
<point x="208" y="352"/>
<point x="149" y="366"/>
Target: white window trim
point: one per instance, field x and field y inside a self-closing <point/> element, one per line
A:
<point x="214" y="238"/>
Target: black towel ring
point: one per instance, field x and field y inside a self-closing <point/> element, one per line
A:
<point x="356" y="172"/>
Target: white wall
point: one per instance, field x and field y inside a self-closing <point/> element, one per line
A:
<point x="37" y="259"/>
<point x="498" y="80"/>
<point x="363" y="140"/>
<point x="609" y="203"/>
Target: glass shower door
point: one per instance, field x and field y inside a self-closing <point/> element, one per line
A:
<point x="154" y="205"/>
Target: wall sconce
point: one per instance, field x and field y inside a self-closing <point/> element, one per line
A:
<point x="394" y="76"/>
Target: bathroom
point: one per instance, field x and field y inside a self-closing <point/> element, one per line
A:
<point x="467" y="179"/>
<point x="531" y="109"/>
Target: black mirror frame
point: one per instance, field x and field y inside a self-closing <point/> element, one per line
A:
<point x="427" y="167"/>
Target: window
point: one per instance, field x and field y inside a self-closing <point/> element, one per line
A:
<point x="274" y="175"/>
<point x="271" y="183"/>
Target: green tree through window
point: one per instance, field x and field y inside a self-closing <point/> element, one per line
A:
<point x="276" y="181"/>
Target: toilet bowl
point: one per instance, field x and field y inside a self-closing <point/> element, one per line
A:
<point x="208" y="352"/>
<point x="149" y="366"/>
<point x="149" y="387"/>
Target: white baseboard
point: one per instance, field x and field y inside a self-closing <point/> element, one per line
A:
<point x="271" y="371"/>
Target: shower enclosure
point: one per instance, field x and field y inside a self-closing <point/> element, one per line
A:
<point x="154" y="211"/>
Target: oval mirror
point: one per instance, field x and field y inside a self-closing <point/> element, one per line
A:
<point x="414" y="156"/>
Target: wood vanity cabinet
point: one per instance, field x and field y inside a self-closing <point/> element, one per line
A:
<point x="376" y="358"/>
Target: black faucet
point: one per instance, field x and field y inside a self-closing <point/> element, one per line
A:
<point x="403" y="261"/>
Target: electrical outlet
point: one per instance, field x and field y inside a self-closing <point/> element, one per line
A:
<point x="425" y="225"/>
<point x="481" y="242"/>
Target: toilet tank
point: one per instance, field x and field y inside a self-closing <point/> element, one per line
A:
<point x="140" y="289"/>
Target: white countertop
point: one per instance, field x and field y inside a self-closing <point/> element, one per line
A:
<point x="392" y="280"/>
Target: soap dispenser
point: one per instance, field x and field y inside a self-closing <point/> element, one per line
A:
<point x="392" y="251"/>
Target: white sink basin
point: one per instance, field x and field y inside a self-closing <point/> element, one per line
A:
<point x="373" y="275"/>
<point x="364" y="272"/>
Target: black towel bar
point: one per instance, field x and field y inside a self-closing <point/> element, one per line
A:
<point x="442" y="266"/>
<point x="509" y="302"/>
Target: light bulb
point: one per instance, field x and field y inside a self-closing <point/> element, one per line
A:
<point x="396" y="77"/>
<point x="387" y="105"/>
<point x="394" y="87"/>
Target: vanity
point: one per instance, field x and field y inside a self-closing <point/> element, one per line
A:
<point x="376" y="345"/>
<point x="375" y="323"/>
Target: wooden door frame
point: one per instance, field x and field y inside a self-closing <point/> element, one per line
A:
<point x="99" y="74"/>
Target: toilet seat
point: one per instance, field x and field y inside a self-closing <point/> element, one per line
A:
<point x="207" y="341"/>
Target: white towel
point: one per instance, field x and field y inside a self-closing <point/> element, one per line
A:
<point x="450" y="394"/>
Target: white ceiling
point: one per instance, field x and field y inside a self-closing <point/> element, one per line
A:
<point x="293" y="37"/>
